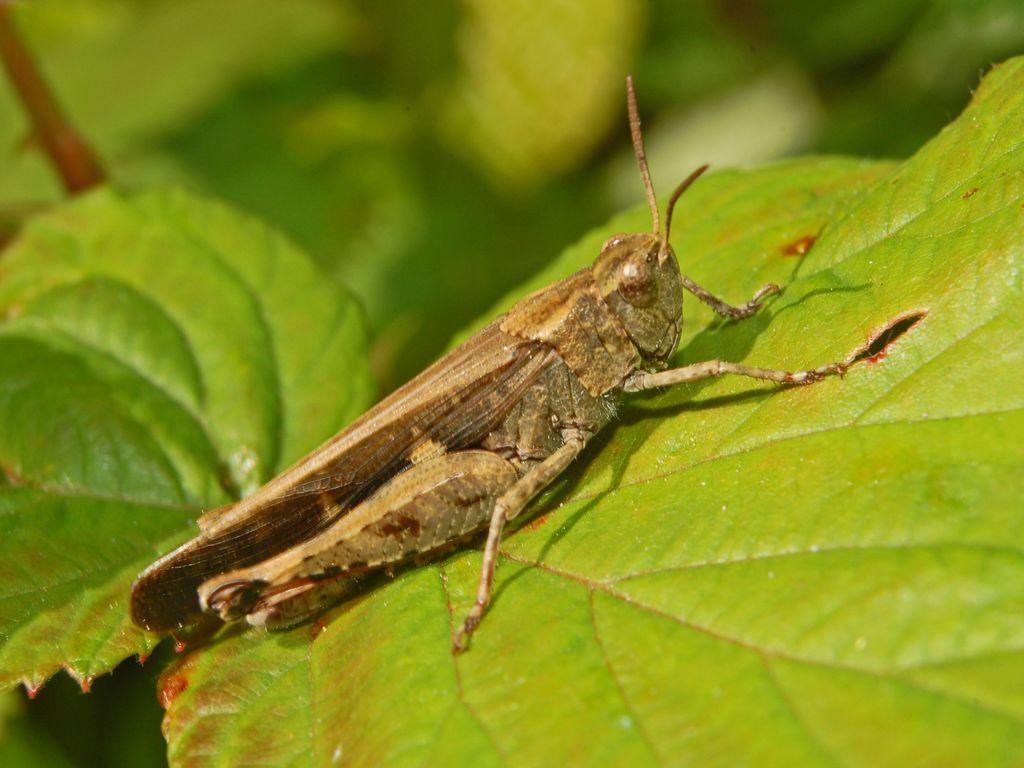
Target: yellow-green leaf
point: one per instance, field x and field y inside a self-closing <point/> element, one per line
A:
<point x="733" y="574"/>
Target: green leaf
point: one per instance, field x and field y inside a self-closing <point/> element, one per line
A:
<point x="734" y="574"/>
<point x="159" y="354"/>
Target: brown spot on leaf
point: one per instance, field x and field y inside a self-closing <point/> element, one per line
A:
<point x="537" y="522"/>
<point x="799" y="247"/>
<point x="11" y="476"/>
<point x="968" y="193"/>
<point x="171" y="687"/>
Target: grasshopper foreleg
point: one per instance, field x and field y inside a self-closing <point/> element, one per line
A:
<point x="713" y="368"/>
<point x="506" y="508"/>
<point x="728" y="310"/>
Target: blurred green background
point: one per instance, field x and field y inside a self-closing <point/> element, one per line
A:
<point x="430" y="155"/>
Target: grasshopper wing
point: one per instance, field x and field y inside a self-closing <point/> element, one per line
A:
<point x="451" y="405"/>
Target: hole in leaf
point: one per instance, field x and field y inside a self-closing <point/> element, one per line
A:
<point x="878" y="347"/>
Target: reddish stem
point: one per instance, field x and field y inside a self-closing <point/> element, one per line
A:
<point x="73" y="159"/>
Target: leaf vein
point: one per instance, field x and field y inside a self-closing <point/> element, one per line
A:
<point x="770" y="653"/>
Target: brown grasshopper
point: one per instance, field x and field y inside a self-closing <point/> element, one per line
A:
<point x="465" y="445"/>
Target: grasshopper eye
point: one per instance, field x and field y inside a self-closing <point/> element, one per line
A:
<point x="636" y="283"/>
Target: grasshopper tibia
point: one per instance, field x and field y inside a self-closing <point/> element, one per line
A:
<point x="710" y="369"/>
<point x="511" y="503"/>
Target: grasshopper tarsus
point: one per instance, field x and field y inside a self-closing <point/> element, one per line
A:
<point x="460" y="641"/>
<point x="753" y="306"/>
<point x="817" y="374"/>
<point x="766" y="290"/>
<point x="728" y="310"/>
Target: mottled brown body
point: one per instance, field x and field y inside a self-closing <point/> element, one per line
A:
<point x="441" y="498"/>
<point x="556" y="405"/>
<point x="463" y="446"/>
<point x="452" y="405"/>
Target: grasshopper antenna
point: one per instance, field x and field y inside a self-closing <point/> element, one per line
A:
<point x="638" y="150"/>
<point x="685" y="185"/>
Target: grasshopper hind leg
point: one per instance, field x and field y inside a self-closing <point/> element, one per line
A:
<point x="419" y="511"/>
<point x="510" y="504"/>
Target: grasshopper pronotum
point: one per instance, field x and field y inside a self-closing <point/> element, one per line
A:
<point x="463" y="446"/>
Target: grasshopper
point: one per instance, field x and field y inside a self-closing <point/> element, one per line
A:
<point x="463" y="446"/>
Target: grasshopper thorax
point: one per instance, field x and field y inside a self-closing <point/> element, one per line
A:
<point x="638" y="275"/>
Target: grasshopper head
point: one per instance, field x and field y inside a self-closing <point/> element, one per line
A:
<point x="639" y="277"/>
<point x="638" y="274"/>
